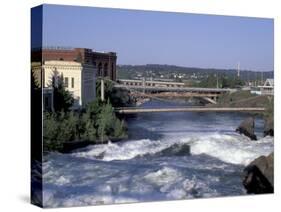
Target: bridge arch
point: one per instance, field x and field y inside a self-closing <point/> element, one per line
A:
<point x="167" y="90"/>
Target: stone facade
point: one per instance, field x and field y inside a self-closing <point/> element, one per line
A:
<point x="79" y="79"/>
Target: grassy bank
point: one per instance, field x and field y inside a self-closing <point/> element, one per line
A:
<point x="246" y="99"/>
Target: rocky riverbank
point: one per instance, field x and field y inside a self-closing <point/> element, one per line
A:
<point x="258" y="176"/>
<point x="268" y="127"/>
<point x="247" y="128"/>
<point x="246" y="99"/>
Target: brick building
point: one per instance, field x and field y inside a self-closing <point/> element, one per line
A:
<point x="104" y="62"/>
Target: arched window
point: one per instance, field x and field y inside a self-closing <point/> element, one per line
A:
<point x="105" y="70"/>
<point x="112" y="71"/>
<point x="100" y="69"/>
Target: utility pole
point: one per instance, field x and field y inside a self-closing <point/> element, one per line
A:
<point x="248" y="78"/>
<point x="102" y="99"/>
<point x="102" y="135"/>
<point x="217" y="81"/>
<point x="238" y="69"/>
<point x="143" y="84"/>
<point x="102" y="89"/>
<point x="102" y="86"/>
<point x="256" y="79"/>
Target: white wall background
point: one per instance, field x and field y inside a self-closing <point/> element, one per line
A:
<point x="15" y="106"/>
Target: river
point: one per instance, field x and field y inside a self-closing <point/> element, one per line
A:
<point x="168" y="156"/>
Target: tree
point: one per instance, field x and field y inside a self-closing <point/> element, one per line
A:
<point x="87" y="127"/>
<point x="94" y="108"/>
<point x="118" y="97"/>
<point x="119" y="129"/>
<point x="209" y="82"/>
<point x="51" y="129"/>
<point x="108" y="87"/>
<point x="105" y="121"/>
<point x="62" y="98"/>
<point x="231" y="82"/>
<point x="225" y="82"/>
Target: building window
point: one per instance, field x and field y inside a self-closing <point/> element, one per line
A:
<point x="66" y="82"/>
<point x="112" y="71"/>
<point x="46" y="102"/>
<point x="72" y="82"/>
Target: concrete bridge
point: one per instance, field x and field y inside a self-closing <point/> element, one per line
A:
<point x="159" y="89"/>
<point x="131" y="110"/>
<point x="150" y="83"/>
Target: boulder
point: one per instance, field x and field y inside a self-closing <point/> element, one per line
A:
<point x="176" y="150"/>
<point x="247" y="128"/>
<point x="258" y="175"/>
<point x="173" y="150"/>
<point x="268" y="127"/>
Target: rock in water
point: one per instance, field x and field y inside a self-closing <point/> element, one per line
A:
<point x="176" y="150"/>
<point x="247" y="128"/>
<point x="258" y="175"/>
<point x="268" y="127"/>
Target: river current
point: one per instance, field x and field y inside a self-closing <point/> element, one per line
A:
<point x="168" y="156"/>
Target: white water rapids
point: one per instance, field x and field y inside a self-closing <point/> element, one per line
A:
<point x="169" y="156"/>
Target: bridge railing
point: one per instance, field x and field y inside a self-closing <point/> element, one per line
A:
<point x="188" y="109"/>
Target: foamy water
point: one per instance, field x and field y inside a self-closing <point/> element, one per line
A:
<point x="178" y="156"/>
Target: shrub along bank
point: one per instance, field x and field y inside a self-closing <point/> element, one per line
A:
<point x="96" y="123"/>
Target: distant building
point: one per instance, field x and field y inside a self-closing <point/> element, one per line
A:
<point x="105" y="62"/>
<point x="268" y="87"/>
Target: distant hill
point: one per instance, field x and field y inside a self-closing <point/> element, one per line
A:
<point x="184" y="73"/>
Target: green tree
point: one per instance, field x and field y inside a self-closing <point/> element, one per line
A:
<point x="105" y="121"/>
<point x="96" y="122"/>
<point x="50" y="132"/>
<point x="89" y="131"/>
<point x="94" y="108"/>
<point x="209" y="82"/>
<point x="119" y="129"/>
<point x="118" y="97"/>
<point x="62" y="98"/>
<point x="108" y="87"/>
<point x="68" y="127"/>
<point x="231" y="82"/>
<point x="225" y="82"/>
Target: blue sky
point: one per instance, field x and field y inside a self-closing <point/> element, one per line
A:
<point x="147" y="37"/>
